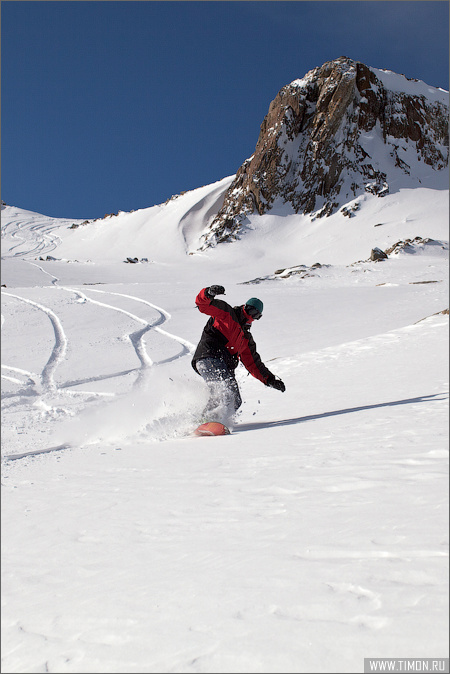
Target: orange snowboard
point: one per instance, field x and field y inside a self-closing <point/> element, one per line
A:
<point x="211" y="428"/>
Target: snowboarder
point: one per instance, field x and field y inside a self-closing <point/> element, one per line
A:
<point x="226" y="340"/>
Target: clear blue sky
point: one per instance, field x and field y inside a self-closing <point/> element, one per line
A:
<point x="117" y="105"/>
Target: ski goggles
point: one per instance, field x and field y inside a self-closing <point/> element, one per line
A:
<point x="253" y="312"/>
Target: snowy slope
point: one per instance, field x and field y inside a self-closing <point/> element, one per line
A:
<point x="412" y="87"/>
<point x="159" y="231"/>
<point x="333" y="137"/>
<point x="168" y="232"/>
<point x="313" y="536"/>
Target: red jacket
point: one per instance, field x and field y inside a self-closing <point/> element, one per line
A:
<point x="226" y="335"/>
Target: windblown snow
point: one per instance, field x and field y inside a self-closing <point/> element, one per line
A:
<point x="312" y="537"/>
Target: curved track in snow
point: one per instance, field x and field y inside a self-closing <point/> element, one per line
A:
<point x="39" y="397"/>
<point x="89" y="351"/>
<point x="30" y="237"/>
<point x="59" y="347"/>
<point x="136" y="337"/>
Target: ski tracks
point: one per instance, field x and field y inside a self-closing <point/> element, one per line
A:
<point x="59" y="348"/>
<point x="34" y="399"/>
<point x="31" y="238"/>
<point x="38" y="243"/>
<point x="136" y="338"/>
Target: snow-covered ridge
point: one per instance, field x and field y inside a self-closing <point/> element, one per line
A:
<point x="401" y="84"/>
<point x="391" y="81"/>
<point x="278" y="200"/>
<point x="162" y="232"/>
<point x="171" y="232"/>
<point x="342" y="130"/>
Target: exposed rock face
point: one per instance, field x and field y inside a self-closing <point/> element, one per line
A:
<point x="376" y="255"/>
<point x="319" y="144"/>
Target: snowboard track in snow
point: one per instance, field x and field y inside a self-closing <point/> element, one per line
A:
<point x="45" y="389"/>
<point x="135" y="337"/>
<point x="265" y="425"/>
<point x="37" y="234"/>
<point x="35" y="452"/>
<point x="60" y="346"/>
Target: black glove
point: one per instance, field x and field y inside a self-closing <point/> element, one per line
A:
<point x="212" y="291"/>
<point x="275" y="382"/>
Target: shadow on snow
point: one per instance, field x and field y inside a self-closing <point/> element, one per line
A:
<point x="312" y="417"/>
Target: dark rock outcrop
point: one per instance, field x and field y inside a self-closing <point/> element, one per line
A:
<point x="377" y="255"/>
<point x="319" y="142"/>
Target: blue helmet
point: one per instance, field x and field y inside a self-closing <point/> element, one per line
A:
<point x="254" y="308"/>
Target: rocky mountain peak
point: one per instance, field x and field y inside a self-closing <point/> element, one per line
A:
<point x="341" y="130"/>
